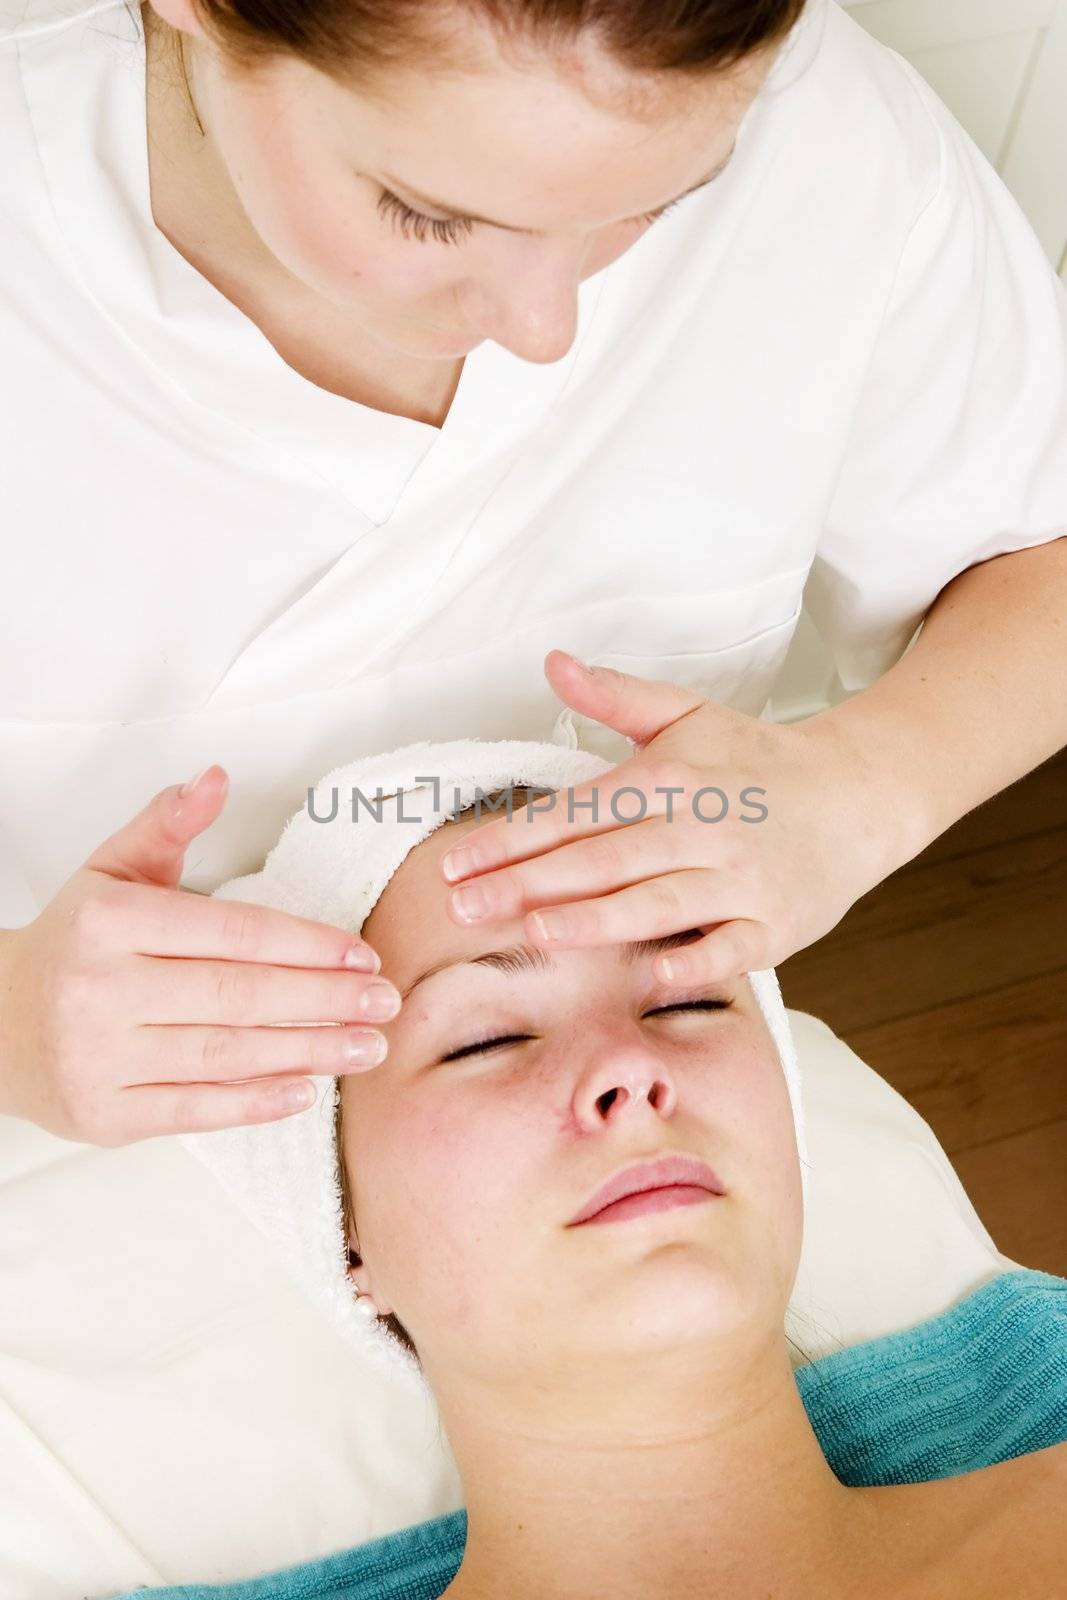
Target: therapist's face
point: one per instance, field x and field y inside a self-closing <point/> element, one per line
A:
<point x="465" y="1173"/>
<point x="558" y="150"/>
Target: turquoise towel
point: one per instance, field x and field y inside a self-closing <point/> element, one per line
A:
<point x="982" y="1383"/>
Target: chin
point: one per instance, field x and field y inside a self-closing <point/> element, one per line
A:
<point x="406" y="334"/>
<point x="676" y="1298"/>
<point x="429" y="342"/>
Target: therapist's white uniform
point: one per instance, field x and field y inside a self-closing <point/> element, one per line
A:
<point x="843" y="364"/>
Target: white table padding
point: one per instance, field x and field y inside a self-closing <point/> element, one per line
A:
<point x="172" y="1409"/>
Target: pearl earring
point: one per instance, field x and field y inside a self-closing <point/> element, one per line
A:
<point x="364" y="1300"/>
<point x="366" y="1306"/>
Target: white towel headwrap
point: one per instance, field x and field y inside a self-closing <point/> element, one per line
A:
<point x="284" y="1174"/>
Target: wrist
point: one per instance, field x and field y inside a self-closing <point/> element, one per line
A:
<point x="6" y="985"/>
<point x="878" y="792"/>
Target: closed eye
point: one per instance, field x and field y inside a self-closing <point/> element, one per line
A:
<point x="518" y="1038"/>
<point x="450" y="230"/>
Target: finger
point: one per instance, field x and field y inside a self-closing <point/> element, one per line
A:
<point x="151" y="846"/>
<point x="639" y="708"/>
<point x="592" y="866"/>
<point x="623" y="796"/>
<point x="241" y="992"/>
<point x="177" y="922"/>
<point x="153" y="1110"/>
<point x="670" y="903"/>
<point x="192" y="1054"/>
<point x="728" y="951"/>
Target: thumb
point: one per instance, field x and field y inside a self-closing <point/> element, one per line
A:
<point x="151" y="847"/>
<point x="638" y="708"/>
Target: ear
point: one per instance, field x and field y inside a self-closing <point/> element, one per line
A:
<point x="360" y="1279"/>
<point x="180" y="14"/>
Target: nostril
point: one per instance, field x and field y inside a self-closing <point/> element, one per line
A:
<point x="651" y="1093"/>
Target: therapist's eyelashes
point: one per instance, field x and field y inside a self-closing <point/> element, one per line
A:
<point x="654" y="216"/>
<point x="417" y="224"/>
<point x="485" y="1045"/>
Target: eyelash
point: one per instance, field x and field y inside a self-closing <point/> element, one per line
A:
<point x="508" y="1038"/>
<point x="418" y="223"/>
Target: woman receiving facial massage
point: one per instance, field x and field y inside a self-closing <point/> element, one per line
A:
<point x="571" y="1202"/>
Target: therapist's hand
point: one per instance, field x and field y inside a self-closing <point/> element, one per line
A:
<point x="757" y="890"/>
<point x="132" y="1007"/>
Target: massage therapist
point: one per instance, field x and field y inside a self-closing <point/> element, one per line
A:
<point x="367" y="361"/>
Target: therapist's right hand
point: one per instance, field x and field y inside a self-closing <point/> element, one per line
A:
<point x="132" y="1007"/>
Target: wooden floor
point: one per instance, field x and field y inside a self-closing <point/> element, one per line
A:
<point x="950" y="979"/>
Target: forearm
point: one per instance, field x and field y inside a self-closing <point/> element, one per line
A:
<point x="978" y="701"/>
<point x="5" y="1000"/>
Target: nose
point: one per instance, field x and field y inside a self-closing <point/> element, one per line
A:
<point x="534" y="308"/>
<point x="624" y="1080"/>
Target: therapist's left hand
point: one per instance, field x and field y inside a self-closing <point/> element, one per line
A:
<point x="758" y="890"/>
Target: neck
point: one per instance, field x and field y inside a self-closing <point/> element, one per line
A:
<point x="672" y="1477"/>
<point x="194" y="202"/>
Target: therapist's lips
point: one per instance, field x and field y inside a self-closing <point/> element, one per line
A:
<point x="650" y="1186"/>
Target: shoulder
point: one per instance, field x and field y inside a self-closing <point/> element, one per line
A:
<point x="22" y="20"/>
<point x="93" y="35"/>
<point x="861" y="91"/>
<point x="1007" y="1523"/>
<point x="995" y="1530"/>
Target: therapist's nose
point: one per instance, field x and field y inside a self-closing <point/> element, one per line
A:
<point x="534" y="308"/>
<point x="623" y="1079"/>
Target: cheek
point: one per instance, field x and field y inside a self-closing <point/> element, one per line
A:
<point x="313" y="215"/>
<point x="441" y="1195"/>
<point x="764" y="1145"/>
<point x="343" y="248"/>
<point x="751" y="1101"/>
<point x="610" y="245"/>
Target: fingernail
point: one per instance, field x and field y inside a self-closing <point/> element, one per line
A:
<point x="361" y="958"/>
<point x="296" y="1096"/>
<point x="368" y="1049"/>
<point x="551" y="924"/>
<point x="458" y="863"/>
<point x="471" y="902"/>
<point x="675" y="967"/>
<point x="583" y="664"/>
<point x="187" y="788"/>
<point x="379" y="1002"/>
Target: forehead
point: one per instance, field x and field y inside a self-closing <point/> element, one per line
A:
<point x="562" y="123"/>
<point x="410" y="927"/>
<point x="452" y="48"/>
<point x="411" y="919"/>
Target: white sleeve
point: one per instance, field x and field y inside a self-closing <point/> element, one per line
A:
<point x="18" y="904"/>
<point x="958" y="447"/>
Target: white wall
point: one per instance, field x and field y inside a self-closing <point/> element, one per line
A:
<point x="1001" y="67"/>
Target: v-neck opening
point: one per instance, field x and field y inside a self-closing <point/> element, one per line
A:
<point x="85" y="89"/>
<point x="202" y="343"/>
<point x="194" y="336"/>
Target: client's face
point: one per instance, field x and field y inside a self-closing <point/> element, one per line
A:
<point x="467" y="1166"/>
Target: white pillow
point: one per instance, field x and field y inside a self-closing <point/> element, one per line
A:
<point x="172" y="1410"/>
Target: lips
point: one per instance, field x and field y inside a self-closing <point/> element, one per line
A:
<point x="641" y="1176"/>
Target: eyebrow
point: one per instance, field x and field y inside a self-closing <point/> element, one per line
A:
<point x="469" y="216"/>
<point x="528" y="958"/>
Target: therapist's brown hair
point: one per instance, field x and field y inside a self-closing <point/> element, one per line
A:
<point x="353" y="39"/>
